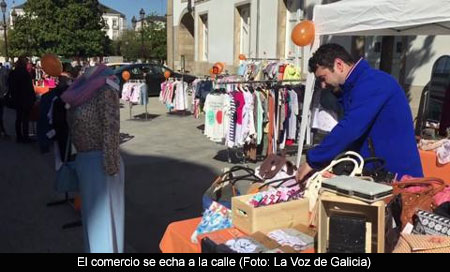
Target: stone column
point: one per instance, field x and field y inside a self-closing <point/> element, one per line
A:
<point x="170" y="34"/>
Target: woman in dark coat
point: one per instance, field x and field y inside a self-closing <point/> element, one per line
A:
<point x="22" y="92"/>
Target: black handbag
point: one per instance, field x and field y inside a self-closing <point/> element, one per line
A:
<point x="379" y="173"/>
<point x="8" y="100"/>
<point x="226" y="186"/>
<point x="393" y="224"/>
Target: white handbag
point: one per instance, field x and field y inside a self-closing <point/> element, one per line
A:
<point x="314" y="183"/>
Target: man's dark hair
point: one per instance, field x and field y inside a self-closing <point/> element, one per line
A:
<point x="327" y="54"/>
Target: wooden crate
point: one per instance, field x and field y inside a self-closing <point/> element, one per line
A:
<point x="266" y="218"/>
<point x="374" y="213"/>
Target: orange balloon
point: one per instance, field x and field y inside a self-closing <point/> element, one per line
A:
<point x="167" y="74"/>
<point x="126" y="75"/>
<point x="303" y="33"/>
<point x="51" y="65"/>
<point x="242" y="57"/>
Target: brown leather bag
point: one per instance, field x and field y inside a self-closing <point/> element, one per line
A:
<point x="419" y="198"/>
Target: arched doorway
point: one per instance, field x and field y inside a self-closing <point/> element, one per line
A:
<point x="186" y="41"/>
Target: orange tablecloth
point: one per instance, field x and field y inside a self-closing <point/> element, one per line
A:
<point x="177" y="238"/>
<point x="41" y="90"/>
<point x="431" y="167"/>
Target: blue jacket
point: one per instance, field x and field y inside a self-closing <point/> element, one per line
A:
<point x="376" y="107"/>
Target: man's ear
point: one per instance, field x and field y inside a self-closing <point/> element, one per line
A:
<point x="339" y="64"/>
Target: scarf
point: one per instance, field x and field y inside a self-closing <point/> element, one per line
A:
<point x="86" y="86"/>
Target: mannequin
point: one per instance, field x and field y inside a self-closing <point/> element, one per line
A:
<point x="94" y="122"/>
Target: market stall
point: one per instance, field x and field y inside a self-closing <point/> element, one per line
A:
<point x="368" y="18"/>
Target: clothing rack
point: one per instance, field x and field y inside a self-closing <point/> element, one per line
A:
<point x="268" y="59"/>
<point x="131" y="104"/>
<point x="277" y="122"/>
<point x="259" y="81"/>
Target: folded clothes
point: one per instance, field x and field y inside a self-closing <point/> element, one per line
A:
<point x="443" y="152"/>
<point x="245" y="245"/>
<point x="273" y="196"/>
<point x="428" y="145"/>
<point x="293" y="238"/>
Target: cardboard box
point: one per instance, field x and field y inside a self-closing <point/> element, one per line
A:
<point x="281" y="215"/>
<point x="374" y="213"/>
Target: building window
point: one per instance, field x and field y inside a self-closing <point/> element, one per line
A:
<point x="114" y="24"/>
<point x="290" y="24"/>
<point x="244" y="12"/>
<point x="204" y="37"/>
<point x="292" y="18"/>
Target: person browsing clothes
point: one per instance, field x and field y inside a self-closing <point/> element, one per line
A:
<point x="377" y="117"/>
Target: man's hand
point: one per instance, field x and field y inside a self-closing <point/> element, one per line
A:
<point x="303" y="171"/>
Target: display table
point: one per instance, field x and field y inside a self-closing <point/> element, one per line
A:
<point x="177" y="237"/>
<point x="39" y="90"/>
<point x="431" y="167"/>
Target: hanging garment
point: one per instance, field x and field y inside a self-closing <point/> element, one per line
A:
<point x="293" y="103"/>
<point x="231" y="134"/>
<point x="259" y="119"/>
<point x="215" y="111"/>
<point x="181" y="96"/>
<point x="291" y="73"/>
<point x="239" y="100"/>
<point x="271" y="124"/>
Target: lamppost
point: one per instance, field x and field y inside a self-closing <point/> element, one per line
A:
<point x="142" y="16"/>
<point x="3" y="7"/>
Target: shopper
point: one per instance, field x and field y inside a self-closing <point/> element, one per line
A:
<point x="377" y="117"/>
<point x="22" y="92"/>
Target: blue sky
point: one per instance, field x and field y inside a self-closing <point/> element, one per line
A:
<point x="127" y="7"/>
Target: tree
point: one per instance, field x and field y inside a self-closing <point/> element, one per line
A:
<point x="70" y="28"/>
<point x="155" y="40"/>
<point x="148" y="42"/>
<point x="129" y="45"/>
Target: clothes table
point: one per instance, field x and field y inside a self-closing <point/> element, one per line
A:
<point x="177" y="237"/>
<point x="432" y="168"/>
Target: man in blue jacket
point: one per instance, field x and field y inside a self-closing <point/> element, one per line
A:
<point x="376" y="111"/>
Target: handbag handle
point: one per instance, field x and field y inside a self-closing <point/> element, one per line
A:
<point x="429" y="181"/>
<point x="354" y="155"/>
<point x="314" y="178"/>
<point x="356" y="169"/>
<point x="282" y="181"/>
<point x="233" y="180"/>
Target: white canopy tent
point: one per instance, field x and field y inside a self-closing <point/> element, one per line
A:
<point x="368" y="18"/>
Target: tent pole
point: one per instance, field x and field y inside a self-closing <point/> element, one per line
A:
<point x="309" y="90"/>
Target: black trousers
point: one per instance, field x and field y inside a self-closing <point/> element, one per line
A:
<point x="22" y="122"/>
